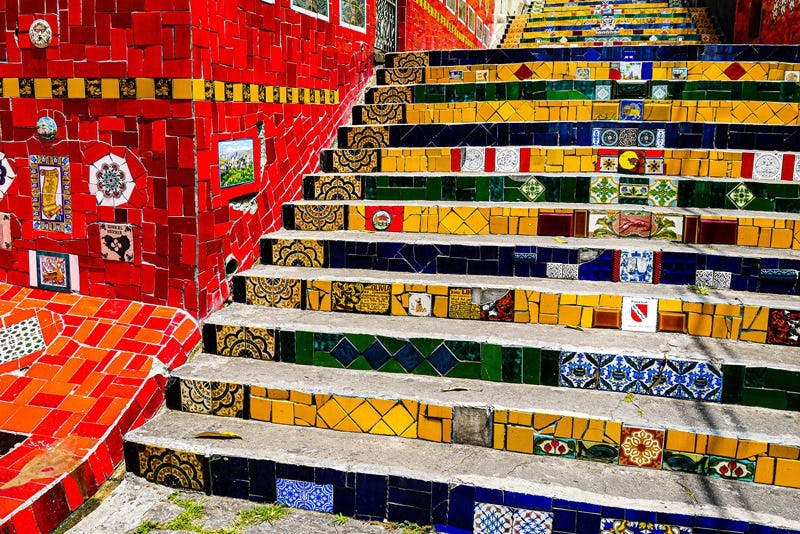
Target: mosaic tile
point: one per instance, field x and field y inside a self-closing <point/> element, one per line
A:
<point x="215" y="398"/>
<point x="7" y="175"/>
<point x="604" y="190"/>
<point x="641" y="447"/>
<point x="305" y="495"/>
<point x="636" y="266"/>
<point x="507" y="159"/>
<point x="54" y="271"/>
<point x="597" y="452"/>
<point x="323" y="217"/>
<point x="276" y="292"/>
<point x="5" y="231"/>
<point x="532" y="189"/>
<point x="298" y="253"/>
<point x="51" y="192"/>
<point x="532" y="522"/>
<point x="473" y="159"/>
<point x="631" y="110"/>
<point x="492" y="519"/>
<point x="174" y="469"/>
<point x="551" y="446"/>
<point x="684" y="462"/>
<point x="245" y="342"/>
<point x="20" y="339"/>
<point x="767" y="165"/>
<point x="359" y="297"/>
<point x="614" y="526"/>
<point x="740" y="196"/>
<point x="337" y="187"/>
<point x="639" y="314"/>
<point x="730" y="468"/>
<point x="663" y="193"/>
<point x="420" y="304"/>
<point x="116" y="242"/>
<point x="783" y="327"/>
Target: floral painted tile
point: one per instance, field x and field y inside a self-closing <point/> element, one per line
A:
<point x="492" y="519"/>
<point x="730" y="468"/>
<point x="552" y="446"/>
<point x="305" y="495"/>
<point x="641" y="447"/>
<point x="615" y="526"/>
<point x="577" y="370"/>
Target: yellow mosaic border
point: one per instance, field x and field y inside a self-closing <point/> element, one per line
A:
<point x="163" y="89"/>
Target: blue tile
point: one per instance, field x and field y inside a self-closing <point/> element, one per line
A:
<point x="262" y="479"/>
<point x="344" y="501"/>
<point x="408" y="356"/>
<point x="371" y="493"/>
<point x="588" y="522"/>
<point x="491" y="496"/>
<point x="530" y="502"/>
<point x="377" y="355"/>
<point x="564" y="504"/>
<point x="400" y="513"/>
<point x="305" y="495"/>
<point x="640" y="515"/>
<point x="565" y="520"/>
<point x="294" y="472"/>
<point x="330" y="476"/>
<point x="410" y="484"/>
<point x="406" y="497"/>
<point x="462" y="507"/>
<point x="440" y="493"/>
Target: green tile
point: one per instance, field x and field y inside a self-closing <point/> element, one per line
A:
<point x="782" y="379"/>
<point x="531" y="365"/>
<point x="303" y="348"/>
<point x="426" y="345"/>
<point x="766" y="398"/>
<point x="732" y="383"/>
<point x="323" y="359"/>
<point x="425" y="368"/>
<point x="325" y="342"/>
<point x="469" y="351"/>
<point x="392" y="344"/>
<point x="754" y="377"/>
<point x="392" y="366"/>
<point x="287" y="346"/>
<point x="549" y="372"/>
<point x="466" y="370"/>
<point x="492" y="362"/>
<point x="361" y="341"/>
<point x="482" y="190"/>
<point x="511" y="364"/>
<point x="360" y="363"/>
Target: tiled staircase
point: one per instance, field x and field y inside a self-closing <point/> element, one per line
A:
<point x="532" y="290"/>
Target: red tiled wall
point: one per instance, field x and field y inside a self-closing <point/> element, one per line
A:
<point x="421" y="30"/>
<point x="779" y="21"/>
<point x="182" y="231"/>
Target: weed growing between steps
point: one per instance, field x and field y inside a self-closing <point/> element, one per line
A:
<point x="194" y="511"/>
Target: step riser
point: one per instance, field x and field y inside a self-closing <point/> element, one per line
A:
<point x="730" y="53"/>
<point x="687" y="135"/>
<point x="367" y="495"/>
<point x="537" y="365"/>
<point x="764" y="232"/>
<point x="540" y="433"/>
<point x="673" y="268"/>
<point x="777" y="91"/>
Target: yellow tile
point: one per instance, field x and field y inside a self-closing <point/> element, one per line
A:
<point x="569" y="315"/>
<point x="594" y="431"/>
<point x="439" y="412"/>
<point x="500" y="416"/>
<point x="755" y="337"/>
<point x="787" y="473"/>
<point x="699" y="325"/>
<point x="611" y="301"/>
<point x="282" y="412"/>
<point x="278" y="394"/>
<point x="520" y="418"/>
<point x="721" y="328"/>
<point x="750" y="449"/>
<point x="181" y="89"/>
<point x="305" y="415"/>
<point x="544" y="423"/>
<point x="548" y="303"/>
<point x="400" y="418"/>
<point x="721" y="446"/>
<point x="563" y="427"/>
<point x="588" y="300"/>
<point x="429" y="429"/>
<point x="781" y="238"/>
<point x="145" y="88"/>
<point x="680" y="441"/>
<point x="76" y="88"/>
<point x="613" y="432"/>
<point x="519" y="439"/>
<point x="784" y="451"/>
<point x="765" y="470"/>
<point x="260" y="409"/>
<point x="300" y="397"/>
<point x="258" y="391"/>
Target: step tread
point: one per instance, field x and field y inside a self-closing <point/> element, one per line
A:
<point x="541" y="241"/>
<point x="554" y="337"/>
<point x="577" y="287"/>
<point x="671" y="210"/>
<point x="746" y="422"/>
<point x="590" y="482"/>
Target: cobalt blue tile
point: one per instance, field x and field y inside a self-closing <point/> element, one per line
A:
<point x="677" y="519"/>
<point x="229" y="487"/>
<point x="588" y="522"/>
<point x="611" y="512"/>
<point x="408" y="356"/>
<point x="324" y="475"/>
<point x="400" y="513"/>
<point x="589" y="507"/>
<point x="451" y="265"/>
<point x="478" y="267"/>
<point x="529" y="502"/>
<point x="377" y="355"/>
<point x="336" y="255"/>
<point x="447" y="529"/>
<point x="640" y="515"/>
<point x="491" y="496"/>
<point x="565" y="505"/>
<point x="462" y="507"/>
<point x="262" y="479"/>
<point x="564" y="520"/>
<point x="294" y="472"/>
<point x="720" y="523"/>
<point x="305" y="495"/>
<point x="229" y="467"/>
<point x="409" y="483"/>
<point x="406" y="497"/>
<point x="371" y="495"/>
<point x="440" y="494"/>
<point x="344" y="501"/>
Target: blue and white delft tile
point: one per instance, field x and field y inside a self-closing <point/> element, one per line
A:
<point x="636" y="266"/>
<point x="473" y="159"/>
<point x="532" y="522"/>
<point x="661" y="137"/>
<point x="492" y="519"/>
<point x="577" y="370"/>
<point x="305" y="495"/>
<point x="704" y="277"/>
<point x="617" y="374"/>
<point x="617" y="526"/>
<point x="698" y="381"/>
<point x="554" y="270"/>
<point x="596" y="136"/>
<point x="722" y="280"/>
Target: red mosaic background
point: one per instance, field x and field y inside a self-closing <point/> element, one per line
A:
<point x="182" y="231"/>
<point x="420" y="30"/>
<point x="767" y="21"/>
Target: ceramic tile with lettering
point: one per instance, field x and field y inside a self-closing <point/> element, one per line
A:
<point x="51" y="193"/>
<point x="116" y="241"/>
<point x="639" y="314"/>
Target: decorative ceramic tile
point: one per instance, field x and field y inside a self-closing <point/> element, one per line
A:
<point x="608" y="163"/>
<point x="659" y="91"/>
<point x="641" y="447"/>
<point x="507" y="159"/>
<point x="740" y="196"/>
<point x="551" y="446"/>
<point x="663" y="193"/>
<point x="337" y="187"/>
<point x="7" y="175"/>
<point x="631" y="110"/>
<point x="632" y="162"/>
<point x="639" y="314"/>
<point x="704" y="278"/>
<point x="602" y="91"/>
<point x="5" y="231"/>
<point x="604" y="190"/>
<point x="767" y="165"/>
<point x="110" y="181"/>
<point x="628" y="137"/>
<point x="636" y="266"/>
<point x="116" y="242"/>
<point x="322" y="217"/>
<point x="630" y="70"/>
<point x="20" y="339"/>
<point x="473" y="159"/>
<point x="419" y="304"/>
<point x="274" y="292"/>
<point x="532" y="189"/>
<point x="783" y="327"/>
<point x="654" y="165"/>
<point x="680" y="73"/>
<point x="315" y="8"/>
<point x="616" y="526"/>
<point x="722" y="280"/>
<point x="305" y="495"/>
<point x="532" y="522"/>
<point x="617" y="373"/>
<point x="51" y="192"/>
<point x="684" y="462"/>
<point x="245" y="342"/>
<point x="570" y="271"/>
<point x="660" y="138"/>
<point x="597" y="452"/>
<point x="360" y="297"/>
<point x="730" y="468"/>
<point x="492" y="519"/>
<point x="577" y="370"/>
<point x="791" y="76"/>
<point x="54" y="270"/>
<point x="633" y="191"/>
<point x="353" y="14"/>
<point x="554" y="270"/>
<point x="298" y="252"/>
<point x="583" y="73"/>
<point x="175" y="469"/>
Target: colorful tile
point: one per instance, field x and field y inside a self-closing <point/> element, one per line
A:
<point x="577" y="370"/>
<point x="639" y="314"/>
<point x="730" y="468"/>
<point x="641" y="447"/>
<point x="419" y="304"/>
<point x="54" y="271"/>
<point x="51" y="193"/>
<point x="116" y="242"/>
<point x="740" y="196"/>
<point x="636" y="266"/>
<point x="20" y="339"/>
<point x="174" y="469"/>
<point x="305" y="495"/>
<point x="7" y="175"/>
<point x="631" y="110"/>
<point x="492" y="519"/>
<point x="110" y="180"/>
<point x="615" y="526"/>
<point x="532" y="522"/>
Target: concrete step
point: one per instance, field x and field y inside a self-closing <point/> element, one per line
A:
<point x="689" y="225"/>
<point x="647" y="261"/>
<point x="656" y="364"/>
<point x="431" y="483"/>
<point x="686" y="52"/>
<point x="633" y="307"/>
<point x="697" y="163"/>
<point x="590" y="425"/>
